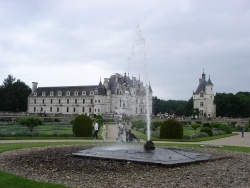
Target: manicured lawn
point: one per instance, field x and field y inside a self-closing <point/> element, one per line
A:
<point x="8" y="180"/>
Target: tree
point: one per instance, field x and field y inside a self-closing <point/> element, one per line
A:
<point x="195" y="126"/>
<point x="14" y="95"/>
<point x="171" y="106"/>
<point x="230" y="105"/>
<point x="31" y="122"/>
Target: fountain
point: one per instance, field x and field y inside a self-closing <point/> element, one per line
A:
<point x="149" y="153"/>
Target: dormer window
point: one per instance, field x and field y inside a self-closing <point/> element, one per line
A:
<point x="51" y="93"/>
<point x="68" y="93"/>
<point x="83" y="92"/>
<point x="35" y="94"/>
<point x="76" y="93"/>
<point x="43" y="93"/>
<point x="96" y="92"/>
<point x="201" y="94"/>
<point x="59" y="93"/>
<point x="91" y="92"/>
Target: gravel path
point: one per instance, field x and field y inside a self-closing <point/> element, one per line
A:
<point x="57" y="165"/>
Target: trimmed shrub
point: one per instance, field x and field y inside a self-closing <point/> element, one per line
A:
<point x="30" y="122"/>
<point x="207" y="125"/>
<point x="198" y="122"/>
<point x="190" y="136"/>
<point x="202" y="134"/>
<point x="195" y="126"/>
<point x="226" y="128"/>
<point x="217" y="132"/>
<point x="171" y="129"/>
<point x="82" y="126"/>
<point x="99" y="120"/>
<point x="215" y="124"/>
<point x="207" y="130"/>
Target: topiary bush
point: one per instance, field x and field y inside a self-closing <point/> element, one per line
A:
<point x="30" y="122"/>
<point x="99" y="120"/>
<point x="215" y="124"/>
<point x="82" y="126"/>
<point x="207" y="125"/>
<point x="207" y="130"/>
<point x="171" y="129"/>
<point x="226" y="128"/>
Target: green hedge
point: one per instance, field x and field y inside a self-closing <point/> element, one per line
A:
<point x="171" y="129"/>
<point x="82" y="126"/>
<point x="207" y="130"/>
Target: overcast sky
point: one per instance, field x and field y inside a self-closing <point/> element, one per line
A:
<point x="79" y="42"/>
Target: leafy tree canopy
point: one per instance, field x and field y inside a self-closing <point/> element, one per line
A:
<point x="14" y="95"/>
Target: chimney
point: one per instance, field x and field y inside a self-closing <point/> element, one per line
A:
<point x="106" y="83"/>
<point x="34" y="86"/>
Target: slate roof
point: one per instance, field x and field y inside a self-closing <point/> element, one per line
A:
<point x="71" y="89"/>
<point x="202" y="84"/>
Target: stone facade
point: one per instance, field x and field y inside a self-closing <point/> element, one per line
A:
<point x="116" y="95"/>
<point x="203" y="98"/>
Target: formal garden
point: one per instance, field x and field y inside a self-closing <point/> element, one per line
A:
<point x="50" y="127"/>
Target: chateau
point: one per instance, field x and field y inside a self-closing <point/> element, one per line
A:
<point x="116" y="95"/>
<point x="203" y="98"/>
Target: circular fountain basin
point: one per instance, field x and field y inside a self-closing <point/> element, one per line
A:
<point x="135" y="153"/>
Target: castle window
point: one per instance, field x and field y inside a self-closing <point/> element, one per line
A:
<point x="51" y="100"/>
<point x="34" y="101"/>
<point x="50" y="109"/>
<point x="75" y="101"/>
<point x="83" y="101"/>
<point x="90" y="110"/>
<point x="76" y="93"/>
<point x="43" y="101"/>
<point x="96" y="92"/>
<point x="99" y="101"/>
<point x="83" y="92"/>
<point x="201" y="104"/>
<point x="74" y="109"/>
<point x="35" y="94"/>
<point x="51" y="93"/>
<point x="91" y="93"/>
<point x="59" y="101"/>
<point x="57" y="109"/>
<point x="82" y="109"/>
<point x="201" y="94"/>
<point x="201" y="113"/>
<point x="67" y="109"/>
<point x="68" y="93"/>
<point x="43" y="93"/>
<point x="67" y="101"/>
<point x="91" y="101"/>
<point x="34" y="109"/>
<point x="59" y="93"/>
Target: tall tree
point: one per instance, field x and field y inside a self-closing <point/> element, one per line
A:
<point x="14" y="95"/>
